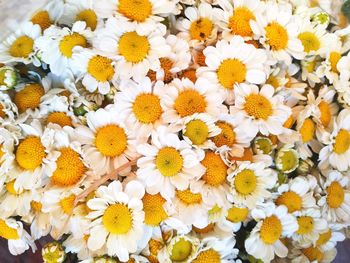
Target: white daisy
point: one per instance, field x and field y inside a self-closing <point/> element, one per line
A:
<point x="329" y="238"/>
<point x="47" y="15"/>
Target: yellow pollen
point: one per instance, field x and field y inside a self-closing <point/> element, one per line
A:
<point x="216" y="169"/>
<point x="155" y="246"/>
<point x="89" y="17"/>
<point x="209" y="255"/>
<point x="231" y="72"/>
<point x="188" y="197"/>
<point x="325" y="111"/>
<point x="36" y="206"/>
<point x="70" y="168"/>
<point x="204" y="230"/>
<point x="153" y="208"/>
<point x="181" y="250"/>
<point x="137" y="10"/>
<point x="306" y="225"/>
<point x="60" y="118"/>
<point x="111" y="140"/>
<point x="67" y="204"/>
<point x="169" y="161"/>
<point x="239" y="22"/>
<point x="133" y="47"/>
<point x="277" y="36"/>
<point x="258" y="106"/>
<point x="29" y="97"/>
<point x="342" y="142"/>
<point x="335" y="195"/>
<point x="101" y="68"/>
<point x="117" y="219"/>
<point x="237" y="214"/>
<point x="197" y="131"/>
<point x="291" y="200"/>
<point x="7" y="232"/>
<point x="30" y="153"/>
<point x="245" y="182"/>
<point x="201" y="29"/>
<point x="310" y="41"/>
<point x="146" y="108"/>
<point x="190" y="102"/>
<point x="324" y="238"/>
<point x="69" y="42"/>
<point x="334" y="58"/>
<point x="42" y="18"/>
<point x="313" y="254"/>
<point x="307" y="130"/>
<point x="22" y="47"/>
<point x="10" y="187"/>
<point x="227" y="135"/>
<point x="271" y="229"/>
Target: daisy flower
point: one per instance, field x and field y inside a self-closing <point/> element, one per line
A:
<point x="57" y="45"/>
<point x="261" y="110"/>
<point x="40" y="222"/>
<point x="337" y="150"/>
<point x="107" y="144"/>
<point x="250" y="184"/>
<point x="199" y="25"/>
<point x="312" y="254"/>
<point x="335" y="201"/>
<point x="135" y="53"/>
<point x="167" y="164"/>
<point x="182" y="98"/>
<point x="329" y="238"/>
<point x="236" y="217"/>
<point x="117" y="219"/>
<point x="277" y="31"/>
<point x="231" y="63"/>
<point x="273" y="223"/>
<point x="20" y="45"/>
<point x="47" y="16"/>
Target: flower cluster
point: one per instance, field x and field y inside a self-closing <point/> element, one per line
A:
<point x="177" y="130"/>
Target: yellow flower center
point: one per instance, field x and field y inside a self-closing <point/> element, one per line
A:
<point x="335" y="195"/>
<point x="258" y="106"/>
<point x="307" y="130"/>
<point x="325" y="111"/>
<point x="201" y="29"/>
<point x="204" y="230"/>
<point x="289" y="122"/>
<point x="273" y="81"/>
<point x="271" y="229"/>
<point x="166" y="64"/>
<point x="306" y="225"/>
<point x="209" y="255"/>
<point x="289" y="160"/>
<point x="189" y="102"/>
<point x="2" y="113"/>
<point x="277" y="36"/>
<point x="181" y="250"/>
<point x="190" y="73"/>
<point x="237" y="214"/>
<point x="146" y="108"/>
<point x="216" y="169"/>
<point x="334" y="58"/>
<point x="227" y="135"/>
<point x="310" y="41"/>
<point x="67" y="204"/>
<point x="197" y="131"/>
<point x="324" y="238"/>
<point x="245" y="182"/>
<point x="42" y="18"/>
<point x="7" y="232"/>
<point x="137" y="10"/>
<point x="60" y="118"/>
<point x="69" y="42"/>
<point x="29" y="97"/>
<point x="189" y="198"/>
<point x="10" y="187"/>
<point x="291" y="200"/>
<point x="239" y="22"/>
<point x="111" y="140"/>
<point x="153" y="208"/>
<point x="70" y="168"/>
<point x="133" y="47"/>
<point x="313" y="254"/>
<point x="310" y="66"/>
<point x="342" y="142"/>
<point x="2" y="153"/>
<point x="89" y="17"/>
<point x="30" y="153"/>
<point x="22" y="47"/>
<point x="100" y="68"/>
<point x="117" y="219"/>
<point x="169" y="161"/>
<point x="230" y="72"/>
<point x="36" y="206"/>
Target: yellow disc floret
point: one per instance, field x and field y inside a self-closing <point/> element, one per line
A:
<point x="181" y="250"/>
<point x="326" y="114"/>
<point x="209" y="255"/>
<point x="201" y="29"/>
<point x="117" y="219"/>
<point x="153" y="208"/>
<point x="227" y="135"/>
<point x="30" y="153"/>
<point x="146" y="108"/>
<point x="216" y="169"/>
<point x="271" y="229"/>
<point x="68" y="42"/>
<point x="307" y="130"/>
<point x="169" y="161"/>
<point x="277" y="36"/>
<point x="188" y="102"/>
<point x="245" y="182"/>
<point x="111" y="140"/>
<point x="8" y="232"/>
<point x="237" y="214"/>
<point x="324" y="238"/>
<point x="133" y="47"/>
<point x="42" y="18"/>
<point x="291" y="200"/>
<point x="313" y="254"/>
<point x="197" y="131"/>
<point x="22" y="47"/>
<point x="60" y="118"/>
<point x="89" y="17"/>
<point x="335" y="195"/>
<point x="231" y="72"/>
<point x="239" y="22"/>
<point x="29" y="97"/>
<point x="310" y="41"/>
<point x="10" y="187"/>
<point x="137" y="10"/>
<point x="306" y="225"/>
<point x="258" y="106"/>
<point x="342" y="142"/>
<point x="189" y="198"/>
<point x="100" y="68"/>
<point x="67" y="204"/>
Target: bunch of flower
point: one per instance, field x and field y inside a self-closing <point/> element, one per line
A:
<point x="177" y="130"/>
